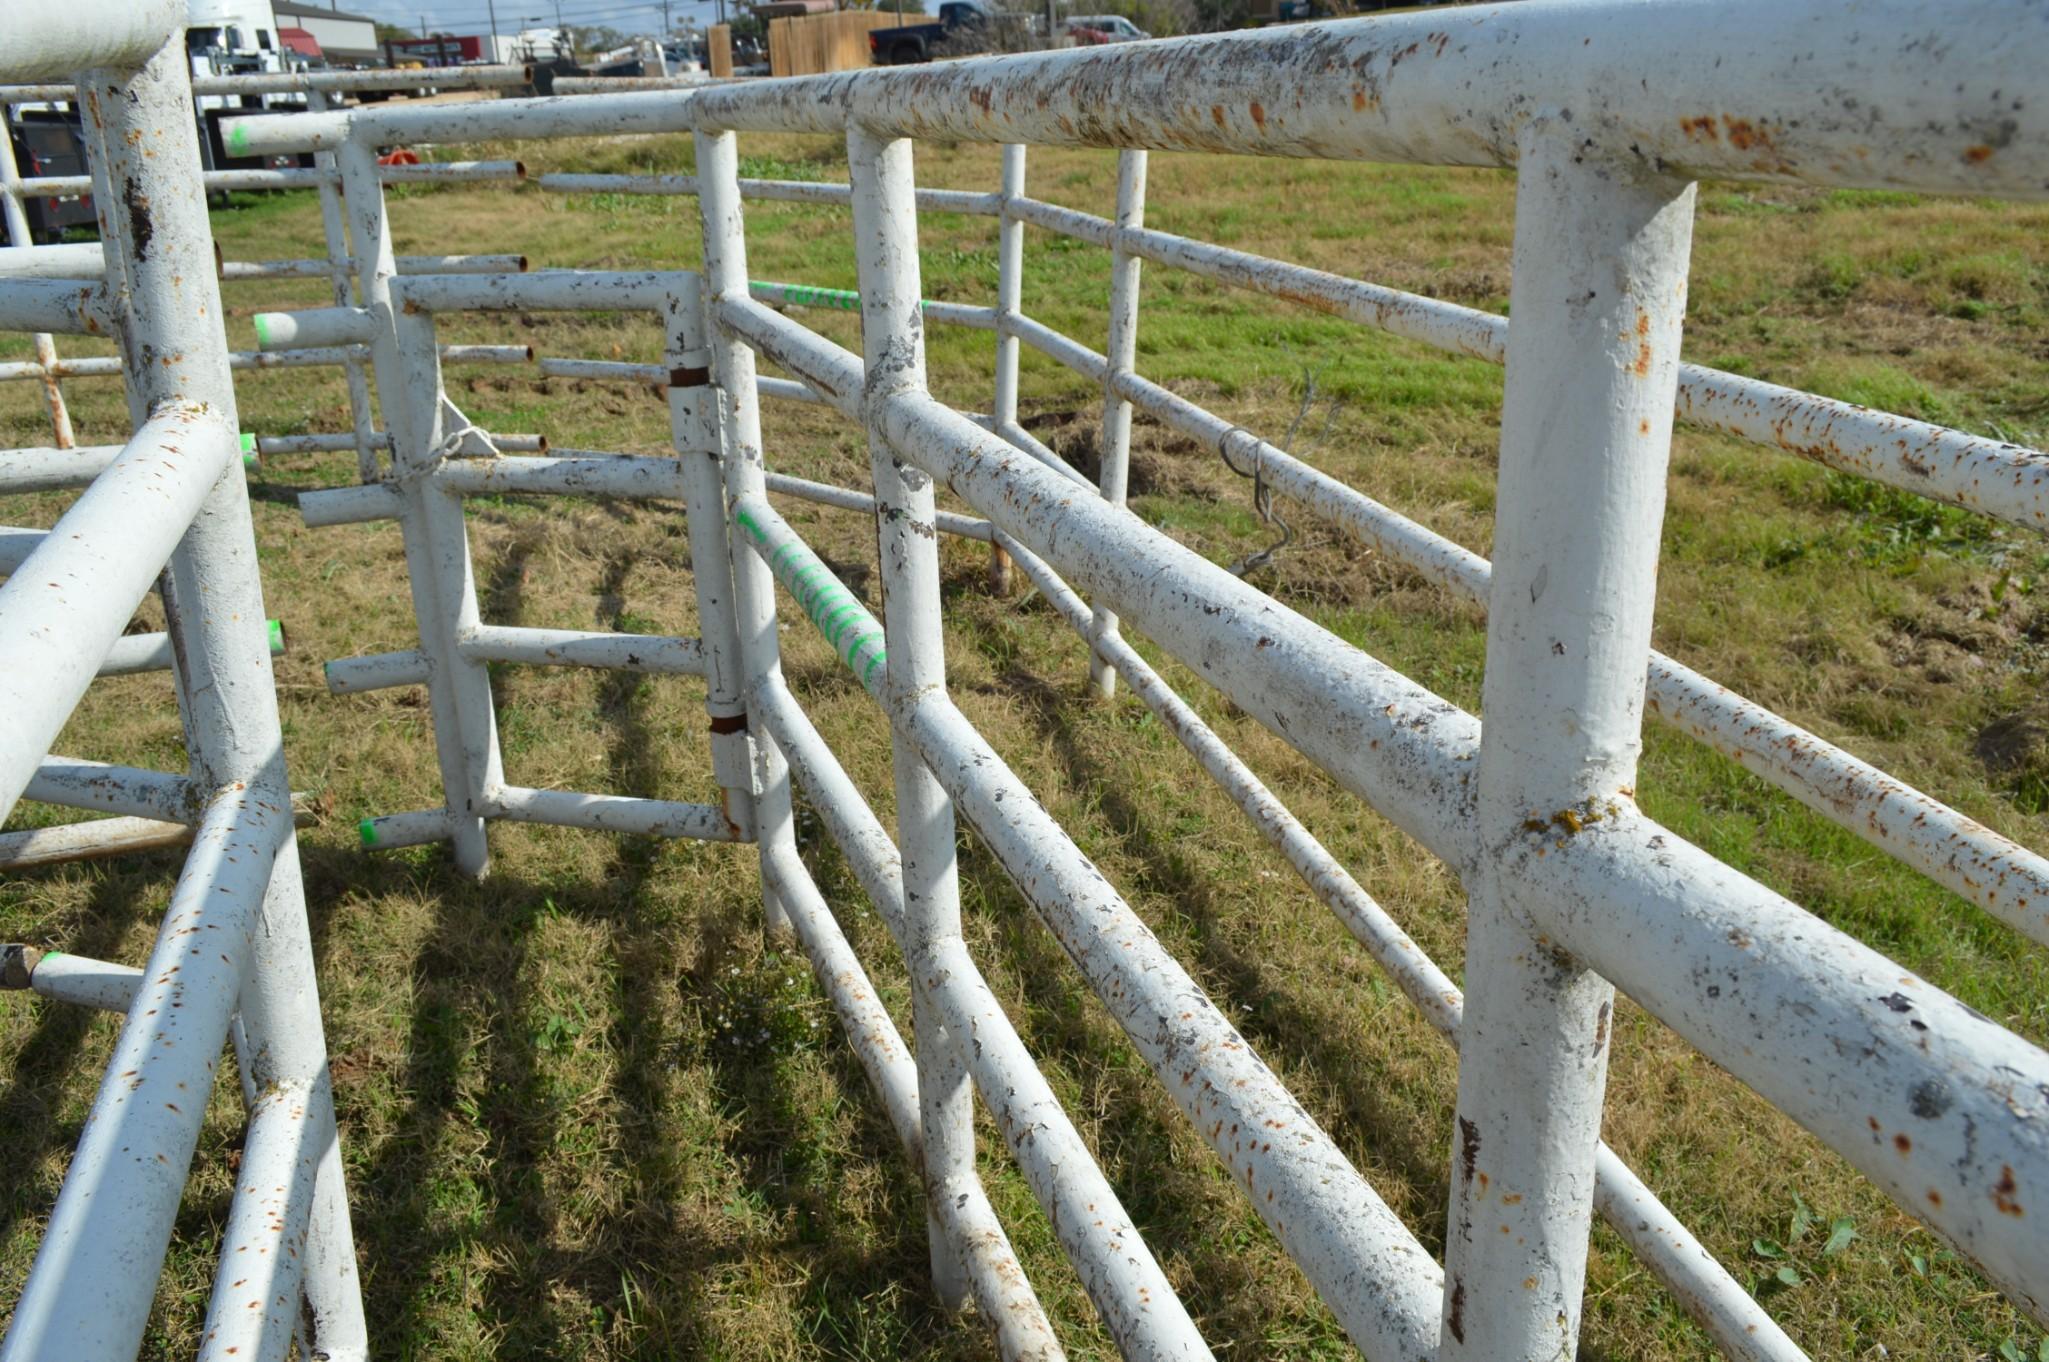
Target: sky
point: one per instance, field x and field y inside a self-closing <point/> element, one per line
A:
<point x="473" y="16"/>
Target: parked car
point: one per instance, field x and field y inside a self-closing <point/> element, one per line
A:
<point x="964" y="27"/>
<point x="1103" y="28"/>
<point x="49" y="140"/>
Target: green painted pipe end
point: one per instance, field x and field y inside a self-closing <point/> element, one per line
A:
<point x="277" y="637"/>
<point x="248" y="443"/>
<point x="367" y="830"/>
<point x="238" y="138"/>
<point x="262" y="329"/>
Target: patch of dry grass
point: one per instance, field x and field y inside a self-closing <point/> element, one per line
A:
<point x="589" y="1108"/>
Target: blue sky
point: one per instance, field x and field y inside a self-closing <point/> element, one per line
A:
<point x="472" y="16"/>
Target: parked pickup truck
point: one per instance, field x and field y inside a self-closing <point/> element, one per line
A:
<point x="964" y="27"/>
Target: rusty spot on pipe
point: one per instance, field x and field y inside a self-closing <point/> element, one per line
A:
<point x="140" y="228"/>
<point x="2002" y="1193"/>
<point x="1743" y="134"/>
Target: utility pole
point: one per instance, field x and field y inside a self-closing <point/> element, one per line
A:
<point x="491" y="7"/>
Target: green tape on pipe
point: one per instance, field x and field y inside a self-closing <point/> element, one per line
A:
<point x="803" y="295"/>
<point x="238" y="139"/>
<point x="843" y="621"/>
<point x="806" y="295"/>
<point x="262" y="329"/>
<point x="277" y="637"/>
<point x="367" y="830"/>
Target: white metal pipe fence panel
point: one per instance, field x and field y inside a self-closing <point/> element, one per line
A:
<point x="1608" y="112"/>
<point x="232" y="956"/>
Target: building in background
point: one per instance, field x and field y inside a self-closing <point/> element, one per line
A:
<point x="345" y="39"/>
<point x="468" y="49"/>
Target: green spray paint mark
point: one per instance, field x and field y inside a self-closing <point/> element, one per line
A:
<point x="238" y="138"/>
<point x="277" y="637"/>
<point x="262" y="329"/>
<point x="367" y="830"/>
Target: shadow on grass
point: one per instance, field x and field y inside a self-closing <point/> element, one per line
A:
<point x="1256" y="992"/>
<point x="29" y="1104"/>
<point x="473" y="1225"/>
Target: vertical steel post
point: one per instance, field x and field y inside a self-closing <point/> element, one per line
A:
<point x="732" y="364"/>
<point x="18" y="235"/>
<point x="1598" y="297"/>
<point x="893" y="346"/>
<point x="175" y="350"/>
<point x="694" y="425"/>
<point x="450" y="688"/>
<point x="437" y="541"/>
<point x="215" y="615"/>
<point x="1009" y="302"/>
<point x="334" y="228"/>
<point x="1009" y="285"/>
<point x="1114" y="474"/>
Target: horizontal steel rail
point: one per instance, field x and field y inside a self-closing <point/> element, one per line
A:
<point x="300" y="82"/>
<point x="222" y="181"/>
<point x="45" y="41"/>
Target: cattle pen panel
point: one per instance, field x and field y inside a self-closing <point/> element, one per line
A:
<point x="1573" y="892"/>
<point x="1122" y="99"/>
<point x="233" y="957"/>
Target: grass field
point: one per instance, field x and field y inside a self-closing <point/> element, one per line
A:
<point x="590" y="1110"/>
